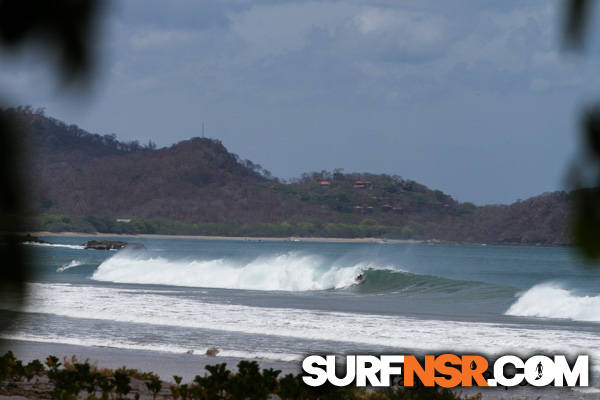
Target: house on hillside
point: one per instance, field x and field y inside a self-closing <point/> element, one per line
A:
<point x="362" y="185"/>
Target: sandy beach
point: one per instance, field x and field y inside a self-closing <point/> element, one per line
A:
<point x="242" y="238"/>
<point x="163" y="364"/>
<point x="188" y="366"/>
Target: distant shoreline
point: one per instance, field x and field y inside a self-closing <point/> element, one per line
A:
<point x="237" y="238"/>
<point x="285" y="239"/>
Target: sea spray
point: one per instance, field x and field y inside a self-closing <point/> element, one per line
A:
<point x="550" y="300"/>
<point x="290" y="271"/>
<point x="72" y="264"/>
<point x="59" y="245"/>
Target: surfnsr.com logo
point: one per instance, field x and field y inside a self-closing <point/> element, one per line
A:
<point x="446" y="370"/>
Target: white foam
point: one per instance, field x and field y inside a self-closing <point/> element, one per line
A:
<point x="67" y="246"/>
<point x="290" y="271"/>
<point x="587" y="390"/>
<point x="74" y="263"/>
<point x="259" y="355"/>
<point x="549" y="300"/>
<point x="157" y="308"/>
<point x="119" y="344"/>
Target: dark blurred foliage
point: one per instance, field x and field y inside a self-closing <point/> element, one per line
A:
<point x="63" y="27"/>
<point x="585" y="177"/>
<point x="12" y="255"/>
<point x="576" y="20"/>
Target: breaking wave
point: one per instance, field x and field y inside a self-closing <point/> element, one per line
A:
<point x="291" y="271"/>
<point x="67" y="246"/>
<point x="72" y="264"/>
<point x="550" y="300"/>
<point x="288" y="272"/>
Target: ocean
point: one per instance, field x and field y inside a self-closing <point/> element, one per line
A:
<point x="280" y="301"/>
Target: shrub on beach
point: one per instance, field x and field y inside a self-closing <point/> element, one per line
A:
<point x="10" y="367"/>
<point x="70" y="378"/>
<point x="122" y="381"/>
<point x="154" y="385"/>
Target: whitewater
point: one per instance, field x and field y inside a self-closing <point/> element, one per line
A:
<point x="282" y="300"/>
<point x="294" y="271"/>
<point x="288" y="272"/>
<point x="168" y="309"/>
<point x="550" y="300"/>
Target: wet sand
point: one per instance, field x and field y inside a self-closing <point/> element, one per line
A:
<point x="189" y="365"/>
<point x="161" y="363"/>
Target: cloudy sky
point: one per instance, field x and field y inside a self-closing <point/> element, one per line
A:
<point x="476" y="98"/>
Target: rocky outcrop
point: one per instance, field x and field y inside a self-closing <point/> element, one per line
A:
<point x="212" y="352"/>
<point x="110" y="245"/>
<point x="30" y="239"/>
<point x="104" y="245"/>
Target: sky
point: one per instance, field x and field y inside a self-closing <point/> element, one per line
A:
<point x="476" y="98"/>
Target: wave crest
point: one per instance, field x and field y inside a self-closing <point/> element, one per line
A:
<point x="552" y="301"/>
<point x="287" y="272"/>
<point x="66" y="246"/>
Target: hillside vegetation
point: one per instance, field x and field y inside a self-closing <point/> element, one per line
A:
<point x="85" y="182"/>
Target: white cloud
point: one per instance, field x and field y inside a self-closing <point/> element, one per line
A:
<point x="374" y="19"/>
<point x="418" y="29"/>
<point x="145" y="39"/>
<point x="277" y="29"/>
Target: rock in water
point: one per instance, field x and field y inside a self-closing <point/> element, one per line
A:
<point x="104" y="245"/>
<point x="213" y="351"/>
<point x="30" y="239"/>
<point x="111" y="245"/>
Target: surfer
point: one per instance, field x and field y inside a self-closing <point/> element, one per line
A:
<point x="61" y="268"/>
<point x="539" y="370"/>
<point x="359" y="277"/>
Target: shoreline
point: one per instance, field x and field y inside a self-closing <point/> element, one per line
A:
<point x="166" y="364"/>
<point x="286" y="239"/>
<point x="233" y="238"/>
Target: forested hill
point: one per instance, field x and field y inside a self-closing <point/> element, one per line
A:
<point x="85" y="182"/>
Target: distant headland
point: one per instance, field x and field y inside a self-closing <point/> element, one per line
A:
<point x="91" y="183"/>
